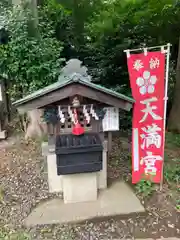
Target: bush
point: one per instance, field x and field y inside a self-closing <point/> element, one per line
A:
<point x="30" y="60"/>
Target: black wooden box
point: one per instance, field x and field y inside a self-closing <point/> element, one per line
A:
<point x="78" y="154"/>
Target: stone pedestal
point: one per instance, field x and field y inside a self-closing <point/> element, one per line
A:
<point x="75" y="187"/>
<point x="102" y="175"/>
<point x="79" y="187"/>
<point x="54" y="181"/>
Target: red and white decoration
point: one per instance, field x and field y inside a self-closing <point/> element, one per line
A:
<point x="77" y="128"/>
<point x="147" y="78"/>
<point x="89" y="112"/>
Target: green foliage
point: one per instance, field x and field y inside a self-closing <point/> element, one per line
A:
<point x="81" y="11"/>
<point x="4" y="3"/>
<point x="94" y="31"/>
<point x="128" y="24"/>
<point x="178" y="205"/>
<point x="145" y="188"/>
<point x="69" y="18"/>
<point x="172" y="171"/>
<point x="62" y="22"/>
<point x="59" y="17"/>
<point x="6" y="234"/>
<point x="30" y="62"/>
<point x="172" y="139"/>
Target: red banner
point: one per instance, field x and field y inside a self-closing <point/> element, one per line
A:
<point x="147" y="72"/>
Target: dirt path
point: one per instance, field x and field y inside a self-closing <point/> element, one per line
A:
<point x="23" y="185"/>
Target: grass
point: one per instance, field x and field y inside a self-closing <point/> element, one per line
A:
<point x="145" y="188"/>
<point x="171" y="170"/>
<point x="6" y="234"/>
<point x="178" y="205"/>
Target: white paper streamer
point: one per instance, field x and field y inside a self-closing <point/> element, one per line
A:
<point x="93" y="113"/>
<point x="71" y="114"/>
<point x="86" y="114"/>
<point x="61" y="115"/>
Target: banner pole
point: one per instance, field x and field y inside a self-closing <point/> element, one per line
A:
<point x="165" y="108"/>
<point x="142" y="48"/>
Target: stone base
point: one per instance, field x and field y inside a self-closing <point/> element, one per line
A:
<point x="79" y="187"/>
<point x="54" y="181"/>
<point x="116" y="200"/>
<point x="3" y="134"/>
<point x="102" y="175"/>
<point x="75" y="187"/>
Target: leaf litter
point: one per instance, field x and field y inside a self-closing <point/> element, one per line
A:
<point x="23" y="185"/>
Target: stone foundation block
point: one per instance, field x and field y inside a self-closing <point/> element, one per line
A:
<point x="80" y="187"/>
<point x="54" y="181"/>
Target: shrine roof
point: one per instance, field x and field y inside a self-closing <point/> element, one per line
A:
<point x="68" y="80"/>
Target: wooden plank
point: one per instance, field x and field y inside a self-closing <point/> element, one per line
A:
<point x="109" y="142"/>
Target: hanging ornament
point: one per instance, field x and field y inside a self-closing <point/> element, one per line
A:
<point x="93" y="113"/>
<point x="76" y="102"/>
<point x="61" y="115"/>
<point x="86" y="114"/>
<point x="77" y="128"/>
<point x="71" y="114"/>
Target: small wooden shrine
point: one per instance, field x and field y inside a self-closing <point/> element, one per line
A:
<point x="78" y="114"/>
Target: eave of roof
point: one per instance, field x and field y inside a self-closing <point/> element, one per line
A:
<point x="64" y="81"/>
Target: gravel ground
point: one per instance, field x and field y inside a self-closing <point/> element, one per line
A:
<point x="23" y="185"/>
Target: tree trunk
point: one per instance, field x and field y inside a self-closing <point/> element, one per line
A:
<point x="174" y="117"/>
<point x="16" y="2"/>
<point x="33" y="22"/>
<point x="33" y="127"/>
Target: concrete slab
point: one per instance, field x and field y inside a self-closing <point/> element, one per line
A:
<point x="115" y="200"/>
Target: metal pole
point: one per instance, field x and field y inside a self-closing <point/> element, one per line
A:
<point x="165" y="106"/>
<point x="142" y="48"/>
